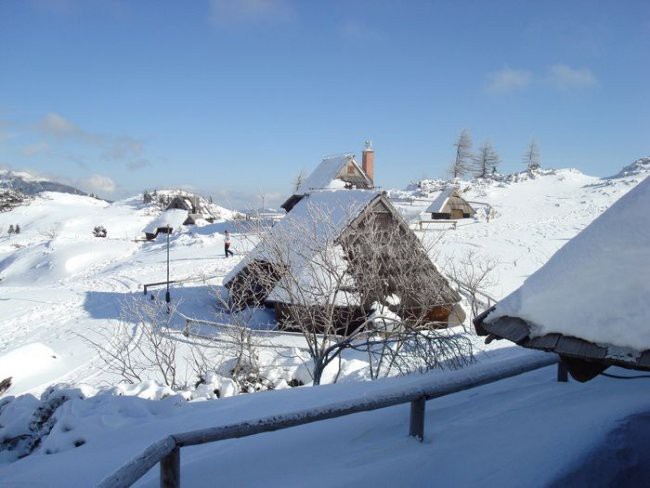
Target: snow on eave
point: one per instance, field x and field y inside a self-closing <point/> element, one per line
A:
<point x="173" y="218"/>
<point x="441" y="200"/>
<point x="327" y="171"/>
<point x="298" y="227"/>
<point x="595" y="288"/>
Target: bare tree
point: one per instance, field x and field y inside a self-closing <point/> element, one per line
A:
<point x="474" y="275"/>
<point x="486" y="160"/>
<point x="531" y="156"/>
<point x="142" y="346"/>
<point x="298" y="181"/>
<point x="370" y="288"/>
<point x="463" y="157"/>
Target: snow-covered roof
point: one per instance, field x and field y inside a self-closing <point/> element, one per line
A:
<point x="306" y="235"/>
<point x="173" y="218"/>
<point x="596" y="287"/>
<point x="441" y="200"/>
<point x="449" y="199"/>
<point x="327" y="172"/>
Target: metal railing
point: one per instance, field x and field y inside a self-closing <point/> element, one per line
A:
<point x="167" y="450"/>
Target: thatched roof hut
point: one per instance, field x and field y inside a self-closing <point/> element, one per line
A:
<point x="589" y="302"/>
<point x="450" y="205"/>
<point x="166" y="223"/>
<point x="288" y="263"/>
<point x="332" y="173"/>
<point x="196" y="206"/>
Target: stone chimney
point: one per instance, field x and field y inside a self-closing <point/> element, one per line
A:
<point x="368" y="161"/>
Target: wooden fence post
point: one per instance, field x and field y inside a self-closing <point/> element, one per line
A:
<point x="170" y="469"/>
<point x="562" y="372"/>
<point x="416" y="424"/>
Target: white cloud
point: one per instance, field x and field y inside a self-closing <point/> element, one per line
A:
<point x="124" y="149"/>
<point x="229" y="12"/>
<point x="566" y="78"/>
<point x="508" y="80"/>
<point x="99" y="183"/>
<point x="57" y="126"/>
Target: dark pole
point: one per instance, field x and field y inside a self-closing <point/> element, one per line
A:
<point x="167" y="296"/>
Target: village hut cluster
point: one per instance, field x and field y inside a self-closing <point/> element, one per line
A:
<point x="341" y="252"/>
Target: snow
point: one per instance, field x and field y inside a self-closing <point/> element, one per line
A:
<point x="325" y="173"/>
<point x="441" y="200"/>
<point x="528" y="429"/>
<point x="309" y="229"/>
<point x="58" y="284"/>
<point x="173" y="218"/>
<point x="596" y="286"/>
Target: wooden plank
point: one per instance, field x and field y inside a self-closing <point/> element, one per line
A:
<point x="546" y="342"/>
<point x="578" y="348"/>
<point x="511" y="328"/>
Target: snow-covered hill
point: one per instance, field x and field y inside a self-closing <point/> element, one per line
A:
<point x="59" y="282"/>
<point x="29" y="184"/>
<point x="60" y="285"/>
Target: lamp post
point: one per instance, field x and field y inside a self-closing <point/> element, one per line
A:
<point x="167" y="295"/>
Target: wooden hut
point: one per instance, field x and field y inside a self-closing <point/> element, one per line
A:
<point x="166" y="223"/>
<point x="450" y="205"/>
<point x="195" y="206"/>
<point x="286" y="270"/>
<point x="589" y="302"/>
<point x="333" y="172"/>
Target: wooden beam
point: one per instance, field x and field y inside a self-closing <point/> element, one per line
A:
<point x="170" y="469"/>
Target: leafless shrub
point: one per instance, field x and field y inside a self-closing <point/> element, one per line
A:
<point x="142" y="346"/>
<point x="474" y="274"/>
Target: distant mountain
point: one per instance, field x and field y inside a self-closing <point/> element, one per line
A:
<point x="30" y="185"/>
<point x="641" y="165"/>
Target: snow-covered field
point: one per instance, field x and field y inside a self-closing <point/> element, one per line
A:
<point x="60" y="285"/>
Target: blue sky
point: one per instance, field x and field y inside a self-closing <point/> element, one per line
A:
<point x="235" y="97"/>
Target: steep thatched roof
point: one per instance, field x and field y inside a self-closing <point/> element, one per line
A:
<point x="449" y="199"/>
<point x="589" y="302"/>
<point x="332" y="173"/>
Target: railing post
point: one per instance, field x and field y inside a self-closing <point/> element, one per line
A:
<point x="186" y="329"/>
<point x="170" y="469"/>
<point x="145" y="290"/>
<point x="562" y="372"/>
<point x="416" y="424"/>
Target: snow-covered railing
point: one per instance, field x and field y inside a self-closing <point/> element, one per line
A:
<point x="167" y="450"/>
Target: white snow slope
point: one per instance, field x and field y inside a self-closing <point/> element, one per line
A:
<point x="59" y="283"/>
<point x="596" y="287"/>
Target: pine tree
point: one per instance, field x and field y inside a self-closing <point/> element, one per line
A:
<point x="486" y="160"/>
<point x="531" y="156"/>
<point x="17" y="229"/>
<point x="11" y="229"/>
<point x="462" y="161"/>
